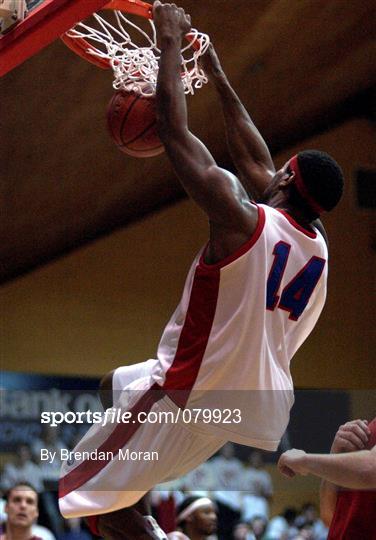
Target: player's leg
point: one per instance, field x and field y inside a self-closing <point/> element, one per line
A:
<point x="129" y="524"/>
<point x="113" y="383"/>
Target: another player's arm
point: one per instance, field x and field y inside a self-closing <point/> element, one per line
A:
<point x="350" y="437"/>
<point x="247" y="147"/>
<point x="354" y="470"/>
<point x="216" y="191"/>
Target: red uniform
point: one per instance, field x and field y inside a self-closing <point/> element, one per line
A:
<point x="355" y="513"/>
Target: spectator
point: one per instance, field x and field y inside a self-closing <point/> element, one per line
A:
<point x="50" y="441"/>
<point x="197" y="518"/>
<point x="228" y="473"/>
<point x="22" y="512"/>
<point x="42" y="532"/>
<point x="309" y="516"/>
<point x="50" y="473"/>
<point x="258" y="488"/>
<point x="201" y="480"/>
<point x="22" y="470"/>
<point x="282" y="527"/>
<point x="74" y="530"/>
<point x="242" y="531"/>
<point x="258" y="527"/>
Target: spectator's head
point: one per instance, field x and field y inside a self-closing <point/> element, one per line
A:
<point x="21" y="508"/>
<point x="197" y="517"/>
<point x="255" y="459"/>
<point x="49" y="434"/>
<point x="242" y="531"/>
<point x="23" y="454"/>
<point x="228" y="450"/>
<point x="305" y="532"/>
<point x="290" y="515"/>
<point x="258" y="526"/>
<point x="309" y="511"/>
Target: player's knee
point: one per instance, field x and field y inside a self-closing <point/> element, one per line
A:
<point x="105" y="390"/>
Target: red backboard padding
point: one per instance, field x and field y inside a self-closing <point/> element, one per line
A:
<point x="42" y="26"/>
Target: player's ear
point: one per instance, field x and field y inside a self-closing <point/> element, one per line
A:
<point x="287" y="178"/>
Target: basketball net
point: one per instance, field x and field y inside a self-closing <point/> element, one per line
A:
<point x="135" y="68"/>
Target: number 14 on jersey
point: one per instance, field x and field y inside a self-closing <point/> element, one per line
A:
<point x="296" y="294"/>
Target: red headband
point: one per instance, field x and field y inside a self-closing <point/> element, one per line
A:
<point x="301" y="187"/>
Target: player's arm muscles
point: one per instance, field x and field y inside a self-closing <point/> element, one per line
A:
<point x="246" y="145"/>
<point x="216" y="191"/>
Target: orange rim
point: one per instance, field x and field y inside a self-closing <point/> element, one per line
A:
<point x="81" y="47"/>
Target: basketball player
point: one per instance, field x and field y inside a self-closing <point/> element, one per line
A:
<point x="22" y="512"/>
<point x="197" y="517"/>
<point x="351" y="464"/>
<point x="251" y="298"/>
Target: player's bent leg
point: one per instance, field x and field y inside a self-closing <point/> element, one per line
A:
<point x="129" y="524"/>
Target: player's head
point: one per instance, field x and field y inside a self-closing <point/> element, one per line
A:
<point x="311" y="181"/>
<point x="197" y="515"/>
<point x="21" y="506"/>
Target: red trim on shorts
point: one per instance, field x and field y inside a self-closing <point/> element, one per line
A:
<point x="240" y="251"/>
<point x="295" y="224"/>
<point x="118" y="439"/>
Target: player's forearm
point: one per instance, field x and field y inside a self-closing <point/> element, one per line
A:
<point x="328" y="500"/>
<point x="170" y="98"/>
<point x="246" y="144"/>
<point x="354" y="470"/>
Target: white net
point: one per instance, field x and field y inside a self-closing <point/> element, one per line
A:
<point x="135" y="67"/>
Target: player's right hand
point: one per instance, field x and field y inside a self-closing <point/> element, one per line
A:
<point x="351" y="437"/>
<point x="170" y="21"/>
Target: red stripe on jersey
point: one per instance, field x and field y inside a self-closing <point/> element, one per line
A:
<point x="194" y="336"/>
<point x="117" y="440"/>
<point x="182" y="374"/>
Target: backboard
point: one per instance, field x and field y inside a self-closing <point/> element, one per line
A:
<point x="42" y="26"/>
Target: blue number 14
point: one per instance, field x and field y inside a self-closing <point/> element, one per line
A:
<point x="295" y="296"/>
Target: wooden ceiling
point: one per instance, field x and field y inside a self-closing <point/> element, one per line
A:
<point x="298" y="65"/>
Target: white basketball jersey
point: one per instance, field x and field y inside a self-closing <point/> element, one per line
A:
<point x="230" y="341"/>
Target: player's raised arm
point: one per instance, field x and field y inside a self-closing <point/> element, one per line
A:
<point x="248" y="149"/>
<point x="217" y="191"/>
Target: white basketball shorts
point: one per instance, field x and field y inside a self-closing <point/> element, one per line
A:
<point x="115" y="464"/>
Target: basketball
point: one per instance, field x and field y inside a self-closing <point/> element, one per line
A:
<point x="131" y="120"/>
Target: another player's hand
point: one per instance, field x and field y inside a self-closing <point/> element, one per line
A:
<point x="351" y="437"/>
<point x="210" y="62"/>
<point x="292" y="462"/>
<point x="170" y="21"/>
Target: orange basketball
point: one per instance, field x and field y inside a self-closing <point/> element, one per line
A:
<point x="131" y="120"/>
